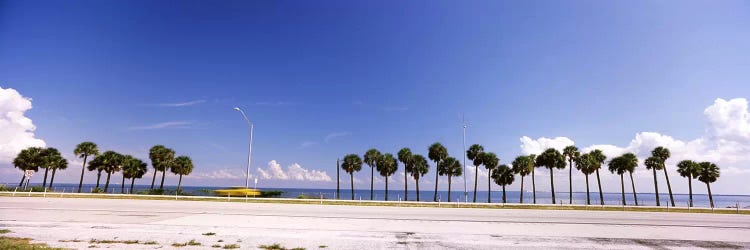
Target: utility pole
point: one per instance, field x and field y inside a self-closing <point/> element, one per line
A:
<point x="463" y="123"/>
<point x="338" y="169"/>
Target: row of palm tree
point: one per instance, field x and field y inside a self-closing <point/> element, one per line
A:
<point x="162" y="158"/>
<point x="416" y="166"/>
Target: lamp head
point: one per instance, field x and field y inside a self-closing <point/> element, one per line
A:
<point x="237" y="108"/>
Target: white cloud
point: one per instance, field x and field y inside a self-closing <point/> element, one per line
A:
<point x="182" y="104"/>
<point x="335" y="135"/>
<point x="293" y="172"/>
<point x="531" y="146"/>
<point x="16" y="130"/>
<point x="163" y="125"/>
<point x="725" y="142"/>
<point x="305" y="144"/>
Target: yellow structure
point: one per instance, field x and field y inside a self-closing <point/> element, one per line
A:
<point x="238" y="192"/>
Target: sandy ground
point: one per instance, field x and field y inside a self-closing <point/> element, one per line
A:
<point x="73" y="223"/>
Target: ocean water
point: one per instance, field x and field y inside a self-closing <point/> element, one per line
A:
<point x="542" y="197"/>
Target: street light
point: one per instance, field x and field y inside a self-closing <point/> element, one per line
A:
<point x="249" y="147"/>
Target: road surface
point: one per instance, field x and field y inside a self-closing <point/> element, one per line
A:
<point x="73" y="223"/>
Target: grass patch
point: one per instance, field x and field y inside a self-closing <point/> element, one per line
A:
<point x="23" y="244"/>
<point x="4" y="231"/>
<point x="216" y="246"/>
<point x="93" y="246"/>
<point x="277" y="246"/>
<point x="189" y="243"/>
<point x="151" y="242"/>
<point x="73" y="240"/>
<point x="220" y="240"/>
<point x="209" y="234"/>
<point x="322" y="246"/>
<point x="231" y="246"/>
<point x="127" y="242"/>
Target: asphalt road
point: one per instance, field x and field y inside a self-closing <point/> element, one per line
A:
<point x="70" y="222"/>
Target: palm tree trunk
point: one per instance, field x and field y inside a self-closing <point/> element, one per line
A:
<point x="656" y="188"/>
<point x="52" y="180"/>
<point x="406" y="186"/>
<point x="449" y="188"/>
<point x="669" y="186"/>
<point x="372" y="180"/>
<point x="710" y="196"/>
<point x="122" y="184"/>
<point x="552" y="183"/>
<point x="622" y="184"/>
<point x="386" y="188"/>
<point x="489" y="187"/>
<point x="690" y="187"/>
<point x="570" y="180"/>
<point x="436" y="180"/>
<point x="635" y="197"/>
<point x="44" y="184"/>
<point x="521" y="201"/>
<point x="106" y="186"/>
<point x="163" y="173"/>
<point x="154" y="178"/>
<point x="588" y="197"/>
<point x="417" y="182"/>
<point x="601" y="194"/>
<point x="83" y="169"/>
<point x="23" y="177"/>
<point x="98" y="178"/>
<point x="476" y="175"/>
<point x="533" y="185"/>
<point x="179" y="185"/>
<point x="352" y="175"/>
<point x="132" y="181"/>
<point x="503" y="194"/>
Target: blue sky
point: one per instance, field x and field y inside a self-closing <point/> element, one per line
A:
<point x="129" y="75"/>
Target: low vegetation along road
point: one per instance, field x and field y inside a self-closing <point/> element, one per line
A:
<point x="149" y="224"/>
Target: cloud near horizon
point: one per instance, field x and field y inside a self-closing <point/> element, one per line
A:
<point x="16" y="130"/>
<point x="293" y="172"/>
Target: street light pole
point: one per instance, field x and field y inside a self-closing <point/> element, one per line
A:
<point x="466" y="194"/>
<point x="249" y="147"/>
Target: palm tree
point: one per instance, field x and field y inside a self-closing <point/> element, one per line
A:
<point x="437" y="153"/>
<point x="551" y="159"/>
<point x="599" y="159"/>
<point x="371" y="159"/>
<point x="474" y="154"/>
<point x="533" y="166"/>
<point x="630" y="163"/>
<point x="653" y="164"/>
<point x="490" y="162"/>
<point x="56" y="162"/>
<point x="126" y="159"/>
<point x="97" y="165"/>
<point x="571" y="153"/>
<point x="352" y="163"/>
<point x="84" y="150"/>
<point x="709" y="172"/>
<point x="691" y="170"/>
<point x="387" y="165"/>
<point x="183" y="165"/>
<point x="405" y="156"/>
<point x="49" y="159"/>
<point x="617" y="165"/>
<point x="28" y="159"/>
<point x="418" y="169"/>
<point x="586" y="163"/>
<point x="450" y="167"/>
<point x="161" y="159"/>
<point x="133" y="168"/>
<point x="503" y="176"/>
<point x="521" y="167"/>
<point x="111" y="162"/>
<point x="663" y="154"/>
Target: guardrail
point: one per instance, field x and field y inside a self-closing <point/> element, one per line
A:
<point x="399" y="203"/>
